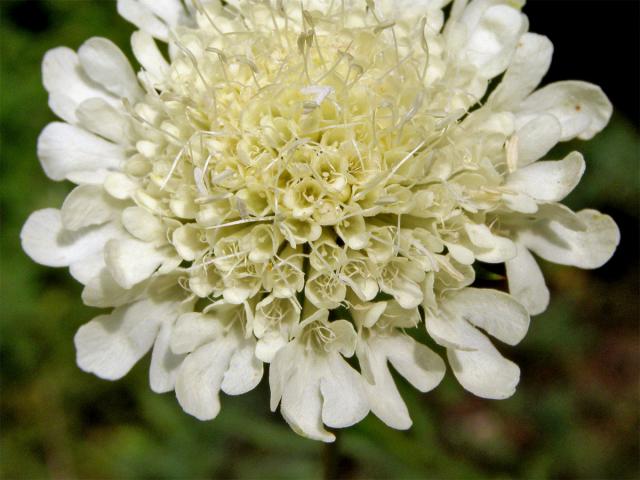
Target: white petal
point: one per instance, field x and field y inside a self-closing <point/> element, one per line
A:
<point x="559" y="213"/>
<point x="453" y="332"/>
<point x="550" y="180"/>
<point x="245" y="370"/>
<point x="520" y="203"/>
<point x="67" y="84"/>
<point x="490" y="248"/>
<point x="240" y="291"/>
<point x="143" y="225"/>
<point x="557" y="243"/>
<point x="101" y="118"/>
<point x="148" y="54"/>
<point x="537" y="137"/>
<point x="353" y="232"/>
<point x="324" y="291"/>
<point x="367" y="314"/>
<point x="88" y="268"/>
<point x="199" y="378"/>
<point x="403" y="285"/>
<point x="480" y="235"/>
<point x="269" y="344"/>
<point x="105" y="64"/>
<point x="581" y="108"/>
<point x="109" y="345"/>
<point x="186" y="240"/>
<point x="460" y="254"/>
<point x="143" y="18"/>
<point x="87" y="205"/>
<point x="299" y="384"/>
<point x="171" y="11"/>
<point x="193" y="330"/>
<point x="345" y="337"/>
<point x="102" y="291"/>
<point x="46" y="241"/>
<point x="396" y="316"/>
<point x="470" y="13"/>
<point x="131" y="261"/>
<point x="493" y="41"/>
<point x="408" y="295"/>
<point x="383" y="396"/>
<point x="280" y="371"/>
<point x="226" y="363"/>
<point x="64" y="150"/>
<point x="344" y="398"/>
<point x="484" y="372"/>
<point x="526" y="282"/>
<point x="454" y="274"/>
<point x="423" y="368"/>
<point x="495" y="312"/>
<point x="164" y="363"/>
<point x="409" y="8"/>
<point x="529" y="64"/>
<point x="362" y="284"/>
<point x="119" y="186"/>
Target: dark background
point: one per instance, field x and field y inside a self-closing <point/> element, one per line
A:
<point x="575" y="414"/>
<point x="594" y="40"/>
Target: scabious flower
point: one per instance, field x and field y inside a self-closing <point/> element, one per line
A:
<point x="303" y="185"/>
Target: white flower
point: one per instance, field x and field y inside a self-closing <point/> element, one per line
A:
<point x="476" y="363"/>
<point x="313" y="382"/>
<point x="296" y="185"/>
<point x="273" y="325"/>
<point x="381" y="341"/>
<point x="220" y="355"/>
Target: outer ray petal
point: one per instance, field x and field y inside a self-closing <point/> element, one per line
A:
<point x="528" y="66"/>
<point x="557" y="243"/>
<point x="68" y="85"/>
<point x="131" y="261"/>
<point x="550" y="180"/>
<point x="106" y="65"/>
<point x="66" y="151"/>
<point x="484" y="372"/>
<point x="102" y="118"/>
<point x="46" y="241"/>
<point x="495" y="312"/>
<point x="109" y="345"/>
<point x="537" y="137"/>
<point x="343" y="398"/>
<point x="581" y="108"/>
<point x="164" y="363"/>
<point x="526" y="282"/>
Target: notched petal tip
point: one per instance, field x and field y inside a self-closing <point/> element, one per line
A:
<point x="485" y="372"/>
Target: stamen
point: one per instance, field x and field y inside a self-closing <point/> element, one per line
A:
<point x="173" y="167"/>
<point x="240" y="222"/>
<point x="425" y="47"/>
<point x="512" y="153"/>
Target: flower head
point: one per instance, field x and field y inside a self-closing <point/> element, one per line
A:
<point x="299" y="184"/>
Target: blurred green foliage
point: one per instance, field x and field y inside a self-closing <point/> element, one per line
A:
<point x="575" y="414"/>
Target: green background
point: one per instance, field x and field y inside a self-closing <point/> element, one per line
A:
<point x="574" y="415"/>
